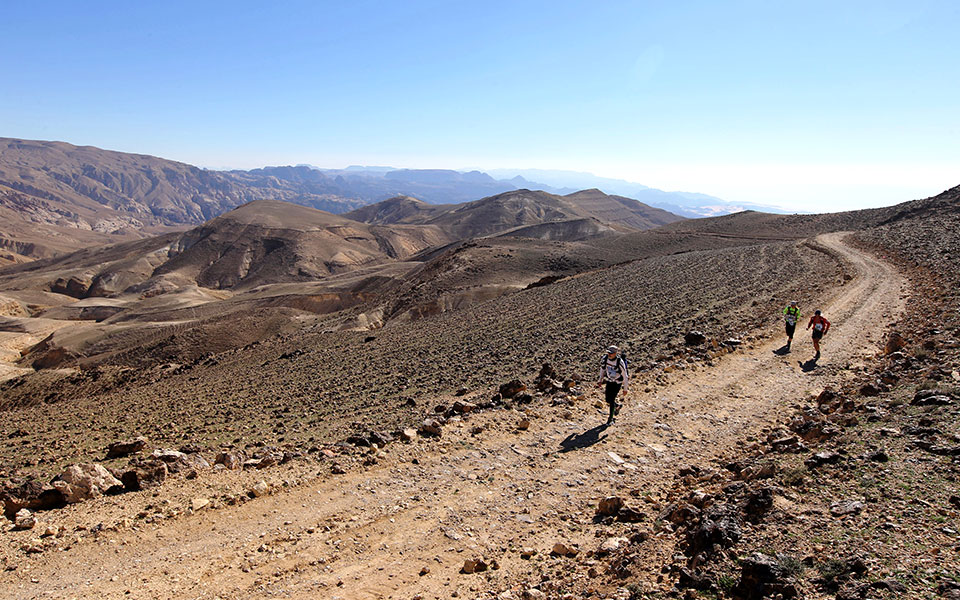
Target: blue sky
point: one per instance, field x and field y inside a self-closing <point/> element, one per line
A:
<point x="811" y="106"/>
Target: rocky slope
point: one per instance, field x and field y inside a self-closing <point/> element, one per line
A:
<point x="53" y="194"/>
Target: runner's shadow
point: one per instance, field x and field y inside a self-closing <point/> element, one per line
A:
<point x="810" y="365"/>
<point x="578" y="441"/>
<point x="782" y="350"/>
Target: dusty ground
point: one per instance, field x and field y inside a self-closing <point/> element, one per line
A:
<point x="371" y="532"/>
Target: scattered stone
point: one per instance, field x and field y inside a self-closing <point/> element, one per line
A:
<point x="336" y="469"/>
<point x="408" y="434"/>
<point x="610" y="506"/>
<point x="424" y="571"/>
<point x="895" y="343"/>
<point x="143" y="474"/>
<point x="177" y="461"/>
<point x="34" y="547"/>
<point x="931" y="398"/>
<point x="841" y="509"/>
<point x="198" y="504"/>
<point x="512" y="388"/>
<point x="24" y="520"/>
<point x="85" y="481"/>
<point x="878" y="456"/>
<point x="259" y="489"/>
<point x="764" y="470"/>
<point x="890" y="585"/>
<point x="787" y="444"/>
<point x="679" y="513"/>
<point x="430" y="427"/>
<point x="475" y="565"/>
<point x="533" y="594"/>
<point x="762" y="576"/>
<point x="358" y="440"/>
<point x="611" y="545"/>
<point x="955" y="501"/>
<point x="126" y="447"/>
<point x="823" y="458"/>
<point x="869" y="389"/>
<point x="230" y="460"/>
<point x="463" y="407"/>
<point x="524" y="424"/>
<point x="631" y="515"/>
<point x="694" y="338"/>
<point x="561" y="549"/>
<point x="528" y="553"/>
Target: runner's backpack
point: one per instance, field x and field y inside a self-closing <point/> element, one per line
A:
<point x="621" y="359"/>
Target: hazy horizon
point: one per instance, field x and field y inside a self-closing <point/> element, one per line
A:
<point x="816" y="108"/>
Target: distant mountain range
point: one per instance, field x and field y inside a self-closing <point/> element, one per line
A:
<point x="55" y="196"/>
<point x="687" y="204"/>
<point x="441" y="186"/>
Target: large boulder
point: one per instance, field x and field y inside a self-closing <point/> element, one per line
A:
<point x="30" y="494"/>
<point x="86" y="481"/>
<point x="230" y="459"/>
<point x="180" y="461"/>
<point x="430" y="427"/>
<point x="125" y="447"/>
<point x="144" y="474"/>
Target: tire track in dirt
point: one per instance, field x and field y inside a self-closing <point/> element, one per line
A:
<point x="369" y="534"/>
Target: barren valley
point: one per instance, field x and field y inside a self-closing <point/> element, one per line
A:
<point x="399" y="403"/>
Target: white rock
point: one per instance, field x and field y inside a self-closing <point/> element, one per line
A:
<point x="24" y="520"/>
<point x="85" y="481"/>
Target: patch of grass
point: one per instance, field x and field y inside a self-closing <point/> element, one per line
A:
<point x="795" y="476"/>
<point x="726" y="583"/>
<point x="636" y="592"/>
<point x="791" y="565"/>
<point x="833" y="569"/>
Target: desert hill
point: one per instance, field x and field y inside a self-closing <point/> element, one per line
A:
<point x="398" y="210"/>
<point x="512" y="211"/>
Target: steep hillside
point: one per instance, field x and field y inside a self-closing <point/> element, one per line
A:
<point x="620" y="210"/>
<point x="54" y="194"/>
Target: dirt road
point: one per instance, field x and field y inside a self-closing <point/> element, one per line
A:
<point x="404" y="526"/>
